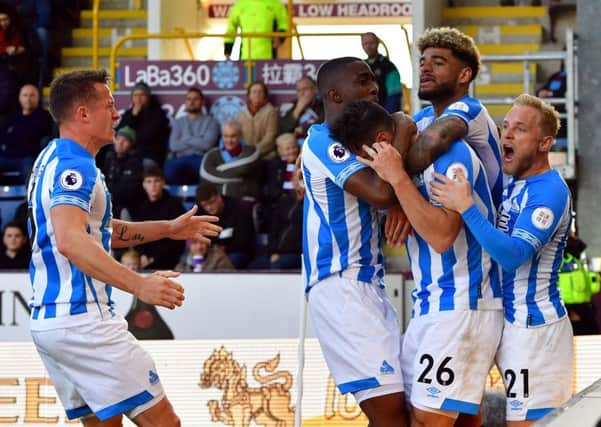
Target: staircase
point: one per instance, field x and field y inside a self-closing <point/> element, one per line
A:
<point x="500" y="30"/>
<point x="116" y="18"/>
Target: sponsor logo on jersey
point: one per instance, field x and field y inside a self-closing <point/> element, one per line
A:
<point x="454" y="168"/>
<point x="433" y="392"/>
<point x="461" y="106"/>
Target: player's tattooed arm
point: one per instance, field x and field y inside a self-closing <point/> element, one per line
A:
<point x="122" y="233"/>
<point x="434" y="141"/>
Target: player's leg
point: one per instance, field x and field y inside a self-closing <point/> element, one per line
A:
<point x="536" y="367"/>
<point x="161" y="414"/>
<point x="93" y="421"/>
<point x="388" y="410"/>
<point x="426" y="418"/>
<point x="447" y="356"/>
<point x="360" y="339"/>
<point x="467" y="420"/>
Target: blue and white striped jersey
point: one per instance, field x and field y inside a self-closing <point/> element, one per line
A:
<point x="463" y="277"/>
<point x="482" y="136"/>
<point x="65" y="174"/>
<point x="537" y="210"/>
<point x="341" y="232"/>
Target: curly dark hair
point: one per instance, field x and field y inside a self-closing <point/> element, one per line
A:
<point x="359" y="123"/>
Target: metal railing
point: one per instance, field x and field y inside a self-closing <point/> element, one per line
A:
<point x="570" y="100"/>
<point x="249" y="62"/>
<point x="137" y="5"/>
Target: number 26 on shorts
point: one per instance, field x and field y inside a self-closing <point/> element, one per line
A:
<point x="444" y="375"/>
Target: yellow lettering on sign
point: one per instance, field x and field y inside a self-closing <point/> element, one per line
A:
<point x="8" y="400"/>
<point x="33" y="400"/>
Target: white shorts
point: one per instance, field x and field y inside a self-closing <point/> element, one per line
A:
<point x="359" y="335"/>
<point x="536" y="365"/>
<point x="446" y="358"/>
<point x="99" y="368"/>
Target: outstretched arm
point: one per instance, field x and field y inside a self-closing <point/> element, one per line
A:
<point x="186" y="226"/>
<point x="75" y="243"/>
<point x="510" y="252"/>
<point x="434" y="141"/>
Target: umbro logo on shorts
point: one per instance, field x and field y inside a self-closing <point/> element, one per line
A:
<point x="153" y="377"/>
<point x="386" y="368"/>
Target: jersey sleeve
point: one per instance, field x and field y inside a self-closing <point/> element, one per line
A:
<point x="333" y="159"/>
<point x="73" y="184"/>
<point x="466" y="109"/>
<point x="541" y="214"/>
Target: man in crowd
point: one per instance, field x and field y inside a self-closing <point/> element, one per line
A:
<point x="390" y="93"/>
<point x="191" y="137"/>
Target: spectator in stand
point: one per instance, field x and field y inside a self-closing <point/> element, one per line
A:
<point x="238" y="236"/>
<point x="199" y="256"/>
<point x="259" y="120"/>
<point x="162" y="254"/>
<point x="233" y="167"/>
<point x="16" y="253"/>
<point x="286" y="231"/>
<point x="256" y="16"/>
<point x="25" y="134"/>
<point x="191" y="137"/>
<point x="123" y="172"/>
<point x="132" y="259"/>
<point x="151" y="124"/>
<point x="280" y="170"/>
<point x="555" y="87"/>
<point x="307" y="109"/>
<point x="35" y="17"/>
<point x="12" y="52"/>
<point x="390" y="93"/>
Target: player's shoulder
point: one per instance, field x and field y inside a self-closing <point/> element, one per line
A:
<point x="548" y="187"/>
<point x="467" y="104"/>
<point x="73" y="156"/>
<point x="424" y="113"/>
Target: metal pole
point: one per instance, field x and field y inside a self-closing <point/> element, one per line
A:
<point x="570" y="101"/>
<point x="95" y="35"/>
<point x="300" y="354"/>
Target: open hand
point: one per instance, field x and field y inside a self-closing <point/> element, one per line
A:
<point x="189" y="226"/>
<point x="452" y="194"/>
<point x="385" y="160"/>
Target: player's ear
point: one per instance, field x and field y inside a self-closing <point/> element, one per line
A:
<point x="334" y="96"/>
<point x="383" y="136"/>
<point x="546" y="143"/>
<point x="82" y="113"/>
<point x="465" y="76"/>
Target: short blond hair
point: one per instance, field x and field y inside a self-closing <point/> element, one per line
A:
<point x="549" y="117"/>
<point x="461" y="45"/>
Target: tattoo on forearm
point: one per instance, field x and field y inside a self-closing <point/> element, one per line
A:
<point x="122" y="235"/>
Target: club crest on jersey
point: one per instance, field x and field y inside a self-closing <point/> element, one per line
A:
<point x="338" y="153"/>
<point x="452" y="171"/>
<point x="71" y="180"/>
<point x="542" y="218"/>
<point x="461" y="106"/>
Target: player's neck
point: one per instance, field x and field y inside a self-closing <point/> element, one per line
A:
<point x="440" y="105"/>
<point x="85" y="141"/>
<point x="539" y="166"/>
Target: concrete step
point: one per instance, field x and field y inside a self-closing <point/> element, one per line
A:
<point x="504" y="72"/>
<point x="82" y="37"/>
<point x="501" y="15"/>
<point x="504" y="34"/>
<point x="508" y="48"/>
<point x="499" y="89"/>
<point x="109" y="18"/>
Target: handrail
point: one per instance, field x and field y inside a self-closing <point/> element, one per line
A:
<point x="95" y="31"/>
<point x="186" y="42"/>
<point x="249" y="62"/>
